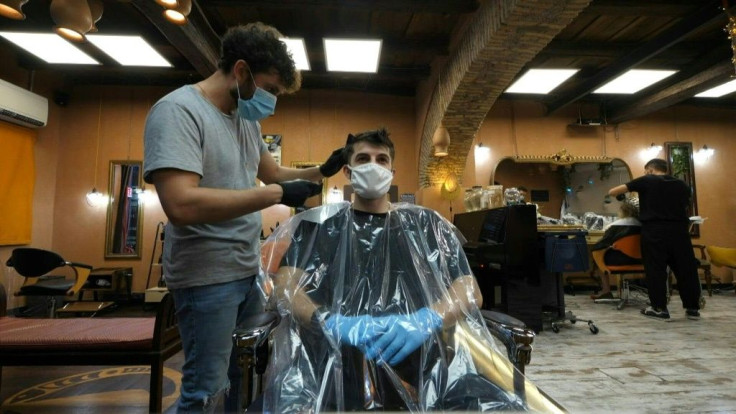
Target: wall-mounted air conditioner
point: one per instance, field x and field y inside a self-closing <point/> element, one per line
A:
<point x="22" y="107"/>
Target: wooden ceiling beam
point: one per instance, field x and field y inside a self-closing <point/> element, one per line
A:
<point x="423" y="6"/>
<point x="705" y="16"/>
<point x="675" y="93"/>
<point x="195" y="40"/>
<point x="652" y="8"/>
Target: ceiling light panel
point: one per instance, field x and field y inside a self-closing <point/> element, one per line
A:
<point x="129" y="50"/>
<point x="298" y="51"/>
<point x="540" y="81"/>
<point x="50" y="47"/>
<point x="719" y="91"/>
<point x="634" y="80"/>
<point x="350" y="55"/>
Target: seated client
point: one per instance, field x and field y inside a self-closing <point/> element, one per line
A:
<point x="370" y="292"/>
<point x="627" y="224"/>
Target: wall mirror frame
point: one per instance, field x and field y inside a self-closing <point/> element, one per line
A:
<point x="311" y="201"/>
<point x="679" y="156"/>
<point x="124" y="228"/>
<point x="584" y="179"/>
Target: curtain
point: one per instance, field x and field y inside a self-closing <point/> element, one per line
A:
<point x="17" y="177"/>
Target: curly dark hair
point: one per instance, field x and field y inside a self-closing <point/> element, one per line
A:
<point x="259" y="45"/>
<point x="378" y="137"/>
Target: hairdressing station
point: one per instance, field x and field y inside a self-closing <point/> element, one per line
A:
<point x="92" y="341"/>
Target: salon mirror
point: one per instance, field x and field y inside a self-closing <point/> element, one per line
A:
<point x="124" y="211"/>
<point x="583" y="182"/>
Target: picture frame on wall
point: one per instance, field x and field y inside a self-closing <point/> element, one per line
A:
<point x="679" y="157"/>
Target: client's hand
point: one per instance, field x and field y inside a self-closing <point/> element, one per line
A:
<point x="357" y="331"/>
<point x="405" y="333"/>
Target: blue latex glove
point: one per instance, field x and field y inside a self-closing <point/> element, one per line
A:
<point x="404" y="334"/>
<point x="357" y="331"/>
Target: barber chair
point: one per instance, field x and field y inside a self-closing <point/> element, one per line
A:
<point x="34" y="264"/>
<point x="704" y="265"/>
<point x="722" y="256"/>
<point x="630" y="246"/>
<point x="251" y="344"/>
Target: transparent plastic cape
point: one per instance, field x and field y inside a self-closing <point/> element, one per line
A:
<point x="380" y="312"/>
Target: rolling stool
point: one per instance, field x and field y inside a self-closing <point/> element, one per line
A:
<point x="514" y="334"/>
<point x="251" y="344"/>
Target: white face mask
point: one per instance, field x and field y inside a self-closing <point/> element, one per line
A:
<point x="370" y="180"/>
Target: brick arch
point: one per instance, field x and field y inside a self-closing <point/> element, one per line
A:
<point x="502" y="37"/>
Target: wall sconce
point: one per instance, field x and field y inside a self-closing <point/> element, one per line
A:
<point x="482" y="154"/>
<point x="73" y="19"/>
<point x="441" y="141"/>
<point x="178" y="13"/>
<point x="703" y="154"/>
<point x="334" y="195"/>
<point x="12" y="9"/>
<point x="650" y="152"/>
<point x="449" y="189"/>
<point x="96" y="198"/>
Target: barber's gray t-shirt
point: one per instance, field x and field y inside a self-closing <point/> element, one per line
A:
<point x="185" y="131"/>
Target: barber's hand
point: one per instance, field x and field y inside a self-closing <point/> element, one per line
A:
<point x="621" y="197"/>
<point x="333" y="164"/>
<point x="357" y="331"/>
<point x="405" y="333"/>
<point x="295" y="192"/>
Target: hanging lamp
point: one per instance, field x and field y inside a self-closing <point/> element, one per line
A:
<point x="73" y="19"/>
<point x="178" y="13"/>
<point x="95" y="7"/>
<point x="12" y="9"/>
<point x="441" y="141"/>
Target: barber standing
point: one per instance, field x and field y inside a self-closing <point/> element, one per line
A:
<point x="203" y="152"/>
<point x="665" y="238"/>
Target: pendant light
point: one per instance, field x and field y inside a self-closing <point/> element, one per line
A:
<point x="441" y="138"/>
<point x="441" y="141"/>
<point x="178" y="13"/>
<point x="12" y="9"/>
<point x="95" y="7"/>
<point x="73" y="19"/>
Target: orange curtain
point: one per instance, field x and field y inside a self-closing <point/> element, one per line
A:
<point x="17" y="176"/>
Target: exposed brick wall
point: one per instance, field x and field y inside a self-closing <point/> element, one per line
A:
<point x="503" y="36"/>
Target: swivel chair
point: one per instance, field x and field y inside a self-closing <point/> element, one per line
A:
<point x="722" y="256"/>
<point x="704" y="265"/>
<point x="33" y="263"/>
<point x="630" y="246"/>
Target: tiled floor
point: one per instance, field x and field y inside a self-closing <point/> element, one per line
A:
<point x="640" y="365"/>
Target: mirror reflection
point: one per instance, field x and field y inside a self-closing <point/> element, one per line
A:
<point x="565" y="185"/>
<point x="124" y="211"/>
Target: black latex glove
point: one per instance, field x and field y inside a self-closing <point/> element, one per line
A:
<point x="333" y="164"/>
<point x="621" y="197"/>
<point x="297" y="191"/>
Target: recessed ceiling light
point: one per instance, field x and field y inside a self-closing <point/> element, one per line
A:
<point x="298" y="51"/>
<point x="540" y="80"/>
<point x="129" y="50"/>
<point x="350" y="55"/>
<point x="50" y="47"/>
<point x="634" y="80"/>
<point x="719" y="90"/>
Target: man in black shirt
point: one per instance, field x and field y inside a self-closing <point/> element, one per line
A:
<point x="665" y="238"/>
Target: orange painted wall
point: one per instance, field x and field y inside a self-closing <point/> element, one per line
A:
<point x="521" y="128"/>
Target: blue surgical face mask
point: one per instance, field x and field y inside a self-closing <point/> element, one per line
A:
<point x="259" y="106"/>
